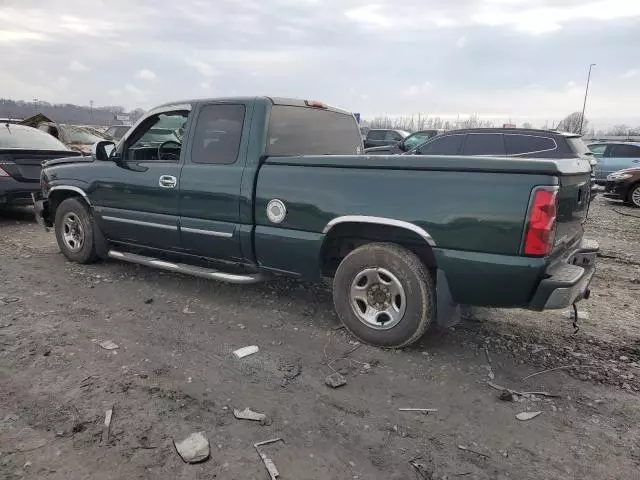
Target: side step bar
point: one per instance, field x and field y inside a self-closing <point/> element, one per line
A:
<point x="184" y="268"/>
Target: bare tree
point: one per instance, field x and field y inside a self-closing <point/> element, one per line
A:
<point x="527" y="125"/>
<point x="572" y="123"/>
<point x="620" y="130"/>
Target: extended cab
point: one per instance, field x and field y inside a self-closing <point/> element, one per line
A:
<point x="264" y="186"/>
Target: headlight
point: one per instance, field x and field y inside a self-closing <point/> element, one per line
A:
<point x="619" y="176"/>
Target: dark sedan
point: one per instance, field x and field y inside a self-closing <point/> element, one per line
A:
<point x="22" y="151"/>
<point x="624" y="185"/>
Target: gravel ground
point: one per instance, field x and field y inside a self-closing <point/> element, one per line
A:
<point x="174" y="374"/>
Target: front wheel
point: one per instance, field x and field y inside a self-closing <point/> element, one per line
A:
<point x="74" y="231"/>
<point x="384" y="295"/>
<point x="634" y="196"/>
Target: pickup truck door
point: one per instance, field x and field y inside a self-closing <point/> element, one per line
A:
<point x="135" y="197"/>
<point x="210" y="181"/>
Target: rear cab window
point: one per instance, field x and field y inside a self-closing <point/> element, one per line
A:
<point x="298" y="130"/>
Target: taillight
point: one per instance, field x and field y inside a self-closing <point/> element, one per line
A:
<point x="541" y="224"/>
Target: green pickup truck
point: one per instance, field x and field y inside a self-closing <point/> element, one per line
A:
<point x="263" y="186"/>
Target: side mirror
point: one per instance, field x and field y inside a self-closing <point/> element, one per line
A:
<point x="102" y="150"/>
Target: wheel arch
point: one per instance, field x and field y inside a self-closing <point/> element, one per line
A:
<point x="346" y="233"/>
<point x="58" y="193"/>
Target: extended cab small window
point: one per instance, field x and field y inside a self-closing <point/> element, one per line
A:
<point x="218" y="133"/>
<point x="443" y="145"/>
<point x="484" y="144"/>
<point x="311" y="131"/>
<point x="523" y="144"/>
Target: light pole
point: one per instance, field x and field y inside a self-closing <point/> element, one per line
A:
<point x="91" y="110"/>
<point x="586" y="91"/>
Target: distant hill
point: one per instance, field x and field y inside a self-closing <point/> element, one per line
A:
<point x="67" y="113"/>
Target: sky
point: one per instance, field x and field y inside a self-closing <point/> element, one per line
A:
<point x="524" y="60"/>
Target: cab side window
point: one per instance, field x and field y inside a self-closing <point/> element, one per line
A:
<point x="218" y="133"/>
<point x="158" y="138"/>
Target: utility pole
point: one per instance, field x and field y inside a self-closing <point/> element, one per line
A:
<point x="586" y="91"/>
<point x="91" y="110"/>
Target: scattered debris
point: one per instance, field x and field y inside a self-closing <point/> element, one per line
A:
<point x="543" y="394"/>
<point x="108" y="345"/>
<point x="467" y="449"/>
<point x="422" y="410"/>
<point x="335" y="380"/>
<point x="582" y="315"/>
<point x="291" y="371"/>
<point x="486" y="352"/>
<point x="268" y="463"/>
<point x="8" y="300"/>
<point x="27" y="464"/>
<point x="421" y="469"/>
<point x="194" y="448"/>
<point x="107" y="426"/>
<point x="246" y="351"/>
<point x="339" y="327"/>
<point x="524" y="416"/>
<point x="248" y="414"/>
<point x="187" y="310"/>
<point x="148" y="301"/>
<point x="545" y="371"/>
<point x="507" y="396"/>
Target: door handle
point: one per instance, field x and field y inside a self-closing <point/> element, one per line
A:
<point x="167" y="181"/>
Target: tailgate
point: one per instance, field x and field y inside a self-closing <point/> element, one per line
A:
<point x="573" y="205"/>
<point x="25" y="166"/>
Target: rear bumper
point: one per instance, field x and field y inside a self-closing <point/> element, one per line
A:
<point x="567" y="281"/>
<point x="13" y="192"/>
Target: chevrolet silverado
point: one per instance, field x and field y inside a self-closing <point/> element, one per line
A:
<point x="264" y="186"/>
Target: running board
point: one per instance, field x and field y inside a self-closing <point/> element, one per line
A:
<point x="184" y="268"/>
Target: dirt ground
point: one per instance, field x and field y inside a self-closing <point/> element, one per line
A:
<point x="174" y="374"/>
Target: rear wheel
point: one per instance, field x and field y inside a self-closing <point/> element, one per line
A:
<point x="384" y="295"/>
<point x="634" y="196"/>
<point x="74" y="231"/>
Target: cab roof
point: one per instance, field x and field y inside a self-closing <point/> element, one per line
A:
<point x="294" y="102"/>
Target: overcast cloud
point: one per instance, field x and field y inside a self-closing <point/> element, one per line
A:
<point x="518" y="59"/>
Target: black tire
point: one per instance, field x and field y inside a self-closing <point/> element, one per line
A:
<point x="415" y="279"/>
<point x="78" y="210"/>
<point x="634" y="191"/>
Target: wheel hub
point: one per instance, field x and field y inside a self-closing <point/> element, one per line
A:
<point x="377" y="298"/>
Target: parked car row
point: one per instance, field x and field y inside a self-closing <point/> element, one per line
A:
<point x="22" y="151"/>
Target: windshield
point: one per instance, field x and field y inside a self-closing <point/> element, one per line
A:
<point x="159" y="135"/>
<point x="80" y="135"/>
<point x="27" y="138"/>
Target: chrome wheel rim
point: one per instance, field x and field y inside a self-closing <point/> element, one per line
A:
<point x="377" y="298"/>
<point x="635" y="197"/>
<point x="72" y="232"/>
